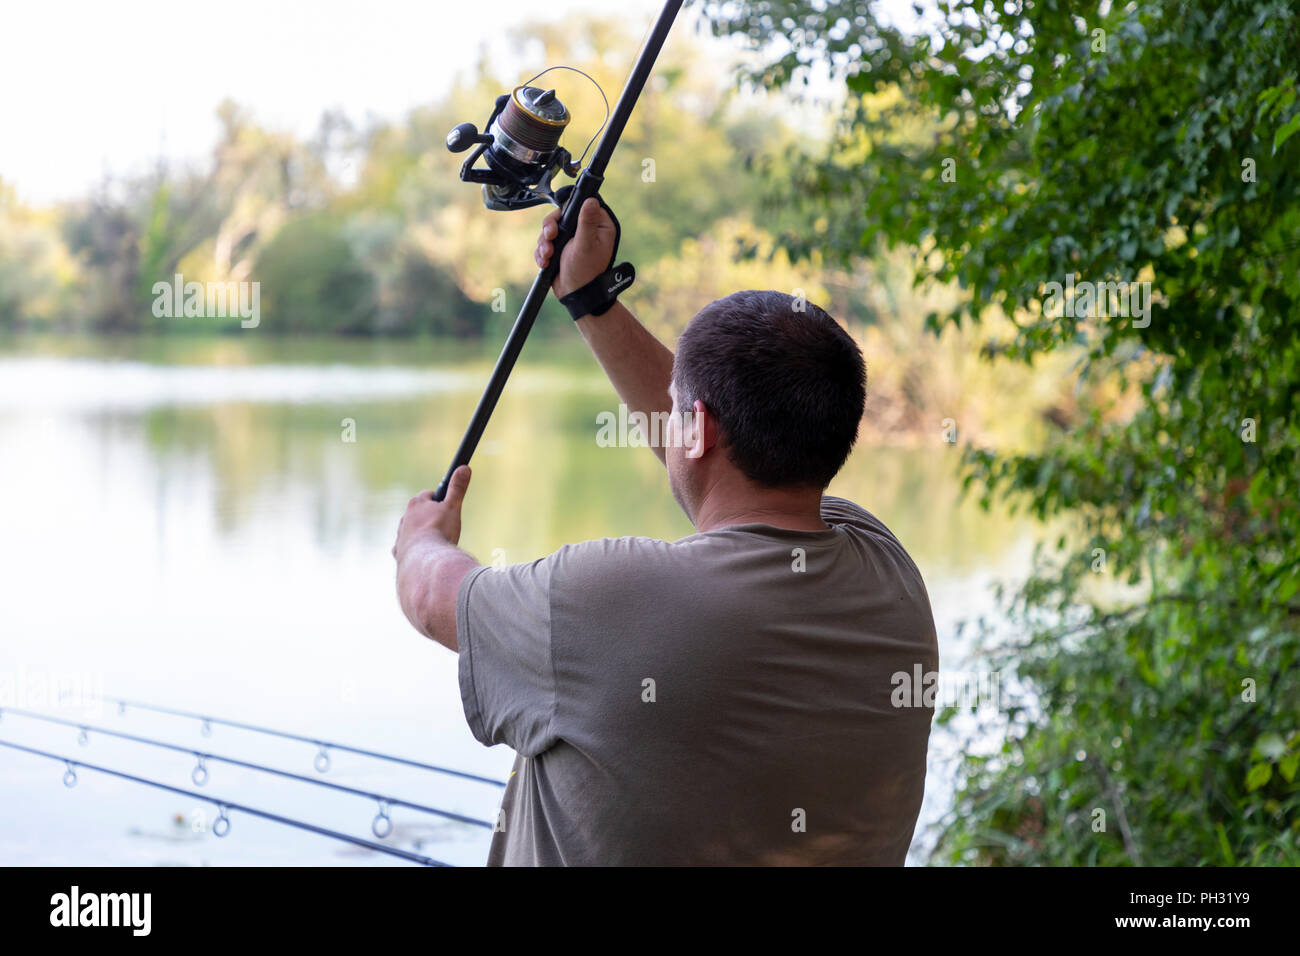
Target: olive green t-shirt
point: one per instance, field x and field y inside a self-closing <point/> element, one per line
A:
<point x="728" y="698"/>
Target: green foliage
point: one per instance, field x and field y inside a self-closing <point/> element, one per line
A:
<point x="1152" y="143"/>
<point x="32" y="263"/>
<point x="311" y="280"/>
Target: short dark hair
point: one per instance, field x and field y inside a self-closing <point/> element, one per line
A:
<point x="785" y="381"/>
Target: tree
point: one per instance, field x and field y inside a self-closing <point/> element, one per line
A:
<point x="312" y="281"/>
<point x="1151" y="143"/>
<point x="34" y="265"/>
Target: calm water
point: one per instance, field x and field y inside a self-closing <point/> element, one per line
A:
<point x="184" y="524"/>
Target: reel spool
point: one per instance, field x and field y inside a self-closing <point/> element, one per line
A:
<point x="532" y="120"/>
<point x="525" y="141"/>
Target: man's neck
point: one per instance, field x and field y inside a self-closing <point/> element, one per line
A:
<point x="794" y="510"/>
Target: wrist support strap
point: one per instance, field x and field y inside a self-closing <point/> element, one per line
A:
<point x="599" y="295"/>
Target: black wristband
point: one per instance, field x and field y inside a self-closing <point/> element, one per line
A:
<point x="599" y="295"/>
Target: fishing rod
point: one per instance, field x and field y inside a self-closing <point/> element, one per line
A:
<point x="221" y="826"/>
<point x="322" y="760"/>
<point x="381" y="826"/>
<point x="519" y="146"/>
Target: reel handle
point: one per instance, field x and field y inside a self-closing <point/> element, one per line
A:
<point x="464" y="136"/>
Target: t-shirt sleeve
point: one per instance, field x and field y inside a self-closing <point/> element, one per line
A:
<point x="507" y="676"/>
<point x="842" y="511"/>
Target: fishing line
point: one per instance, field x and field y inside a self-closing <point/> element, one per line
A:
<point x="322" y="759"/>
<point x="381" y="826"/>
<point x="221" y="827"/>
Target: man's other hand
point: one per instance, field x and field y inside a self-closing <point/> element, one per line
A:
<point x="425" y="517"/>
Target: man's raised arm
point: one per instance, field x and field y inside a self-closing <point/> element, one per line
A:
<point x="639" y="366"/>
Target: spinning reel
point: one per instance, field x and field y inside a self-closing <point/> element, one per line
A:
<point x="520" y="147"/>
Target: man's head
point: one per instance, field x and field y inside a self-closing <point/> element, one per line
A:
<point x="777" y="388"/>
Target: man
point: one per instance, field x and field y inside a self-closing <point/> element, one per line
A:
<point x="728" y="698"/>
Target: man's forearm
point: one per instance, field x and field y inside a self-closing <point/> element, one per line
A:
<point x="429" y="573"/>
<point x="639" y="366"/>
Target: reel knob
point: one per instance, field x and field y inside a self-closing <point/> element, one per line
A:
<point x="463" y="137"/>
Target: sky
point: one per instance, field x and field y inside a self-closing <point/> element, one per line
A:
<point x="95" y="88"/>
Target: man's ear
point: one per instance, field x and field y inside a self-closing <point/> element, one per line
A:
<point x="702" y="433"/>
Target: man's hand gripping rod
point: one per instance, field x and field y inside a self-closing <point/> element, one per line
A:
<point x="587" y="185"/>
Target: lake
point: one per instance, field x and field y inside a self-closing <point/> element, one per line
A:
<point x="185" y="523"/>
